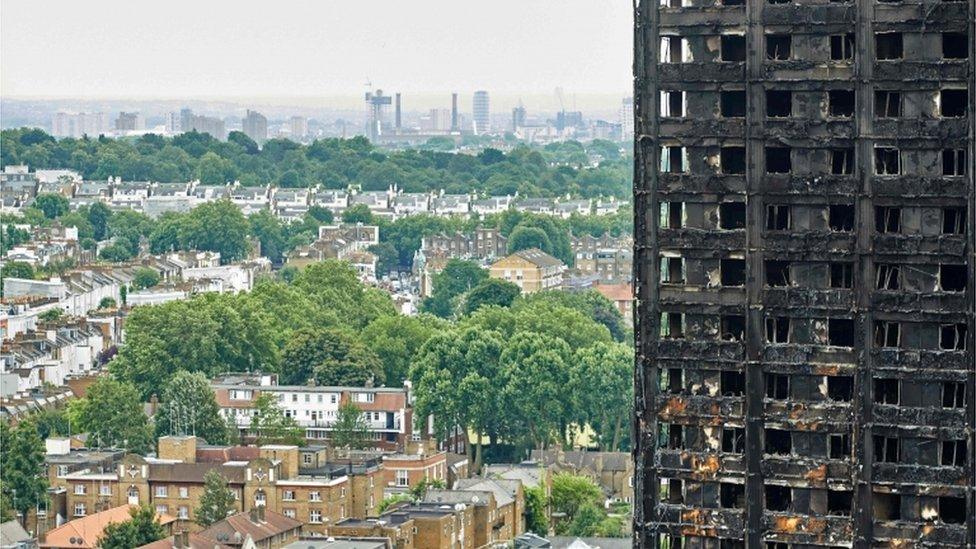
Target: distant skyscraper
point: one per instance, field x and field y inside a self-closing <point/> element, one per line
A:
<point x="627" y="118"/>
<point x="186" y="120"/>
<point x="65" y="124"/>
<point x="376" y="117"/>
<point x="173" y="122"/>
<point x="128" y="121"/>
<point x="255" y="126"/>
<point x="455" y="122"/>
<point x="518" y="117"/>
<point x="482" y="120"/>
<point x="202" y="124"/>
<point x="299" y="127"/>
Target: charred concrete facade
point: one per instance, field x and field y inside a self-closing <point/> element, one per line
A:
<point x="804" y="209"/>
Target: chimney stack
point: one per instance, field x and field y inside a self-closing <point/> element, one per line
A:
<point x="181" y="540"/>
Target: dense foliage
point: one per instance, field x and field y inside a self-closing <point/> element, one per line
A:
<point x="142" y="529"/>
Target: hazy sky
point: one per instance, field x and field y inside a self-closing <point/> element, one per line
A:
<point x="290" y="48"/>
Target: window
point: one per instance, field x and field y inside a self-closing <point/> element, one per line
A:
<point x="779" y="47"/>
<point x="402" y="478"/>
<point x="672" y="325"/>
<point x="288" y="495"/>
<point x="315" y="516"/>
<point x="307" y="458"/>
<point x="674" y="159"/>
<point x="671" y="380"/>
<point x="952" y="278"/>
<point x="732" y="215"/>
<point x="842" y="275"/>
<point x="674" y="49"/>
<point x="79" y="510"/>
<point x="672" y="215"/>
<point x="183" y="512"/>
<point x="954" y="162"/>
<point x="888" y="45"/>
<point x="162" y="509"/>
<point x="887" y="104"/>
<point x="733" y="383"/>
<point x="62" y="470"/>
<point x="886" y="449"/>
<point x="778" y="160"/>
<point x="671" y="436"/>
<point x="672" y="270"/>
<point x="778" y="329"/>
<point x="315" y="496"/>
<point x="731" y="496"/>
<point x="80" y="489"/>
<point x="778" y="386"/>
<point x="161" y="491"/>
<point x="887" y="333"/>
<point x="955" y="45"/>
<point x="673" y="104"/>
<point x="842" y="47"/>
<point x="887" y="161"/>
<point x="777" y="273"/>
<point x="953" y="453"/>
<point x="842" y="161"/>
<point x="733" y="272"/>
<point x="674" y="3"/>
<point x="733" y="440"/>
<point x="672" y="491"/>
<point x="839" y="445"/>
<point x="952" y="510"/>
<point x="953" y="394"/>
<point x="732" y="104"/>
<point x="840" y="388"/>
<point x="840" y="217"/>
<point x="886" y="506"/>
<point x="777" y="217"/>
<point x="779" y="103"/>
<point x="888" y="277"/>
<point x="733" y="160"/>
<point x="105" y="490"/>
<point x="840" y="103"/>
<point x="887" y="219"/>
<point x="839" y="502"/>
<point x="733" y="47"/>
<point x="952" y="337"/>
<point x="260" y="498"/>
<point x="840" y="332"/>
<point x="887" y="391"/>
<point x="953" y="103"/>
<point x="778" y="498"/>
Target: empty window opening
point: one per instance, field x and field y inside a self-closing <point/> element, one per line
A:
<point x="779" y="103"/>
<point x="733" y="160"/>
<point x="887" y="333"/>
<point x="886" y="506"/>
<point x="952" y="337"/>
<point x="672" y="270"/>
<point x="841" y="217"/>
<point x="672" y="215"/>
<point x="842" y="47"/>
<point x="888" y="277"/>
<point x="778" y="329"/>
<point x="953" y="394"/>
<point x="674" y="49"/>
<point x="733" y="272"/>
<point x="778" y="160"/>
<point x="777" y="217"/>
<point x="887" y="391"/>
<point x="675" y="3"/>
<point x="954" y="162"/>
<point x="733" y="103"/>
<point x="779" y="47"/>
<point x="887" y="219"/>
<point x="887" y="104"/>
<point x="733" y="47"/>
<point x="673" y="103"/>
<point x="674" y="159"/>
<point x="732" y="383"/>
<point x="733" y="2"/>
<point x="888" y="45"/>
<point x="671" y="380"/>
<point x="840" y="103"/>
<point x="732" y="215"/>
<point x="953" y="103"/>
<point x="841" y="275"/>
<point x="781" y="544"/>
<point x="670" y="435"/>
<point x="886" y="449"/>
<point x="954" y="220"/>
<point x="953" y="453"/>
<point x="672" y="325"/>
<point x="840" y="445"/>
<point x="952" y="278"/>
<point x="952" y="510"/>
<point x="673" y="491"/>
<point x="842" y="161"/>
<point x="887" y="161"/>
<point x="732" y="496"/>
<point x="778" y="442"/>
<point x="778" y="386"/>
<point x="778" y="498"/>
<point x="671" y="541"/>
<point x="733" y="327"/>
<point x="955" y="45"/>
<point x="733" y="440"/>
<point x="840" y="332"/>
<point x="840" y="388"/>
<point x="777" y="273"/>
<point x="839" y="502"/>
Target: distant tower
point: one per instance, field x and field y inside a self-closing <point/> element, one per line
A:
<point x="186" y="120"/>
<point x="376" y="102"/>
<point x="482" y="121"/>
<point x="627" y="118"/>
<point x="518" y="117"/>
<point x="454" y="113"/>
<point x="255" y="126"/>
<point x="397" y="119"/>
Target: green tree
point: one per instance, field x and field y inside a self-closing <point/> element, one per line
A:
<point x="458" y="277"/>
<point x="52" y="204"/>
<point x="350" y="429"/>
<point x="535" y="372"/>
<point x="491" y="291"/>
<point x="524" y="238"/>
<point x="23" y="478"/>
<point x="419" y="491"/>
<point x="396" y="339"/>
<point x="128" y="227"/>
<point x="358" y="213"/>
<point x="218" y="227"/>
<point x="334" y="286"/>
<point x="572" y="492"/>
<point x="535" y="510"/>
<point x="602" y="378"/>
<point x="189" y="407"/>
<point x="320" y="214"/>
<point x="99" y="215"/>
<point x="330" y="357"/>
<point x="270" y="425"/>
<point x="50" y="315"/>
<point x="217" y="501"/>
<point x="17" y="269"/>
<point x="145" y="278"/>
<point x="142" y="529"/>
<point x="112" y="414"/>
<point x="269" y="231"/>
<point x="107" y="303"/>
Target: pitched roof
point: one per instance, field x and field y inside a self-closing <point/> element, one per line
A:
<point x="196" y="541"/>
<point x="615" y="292"/>
<point x="193" y="472"/>
<point x="273" y="524"/>
<point x="11" y="533"/>
<point x="502" y="494"/>
<point x="84" y="532"/>
<point x="538" y="257"/>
